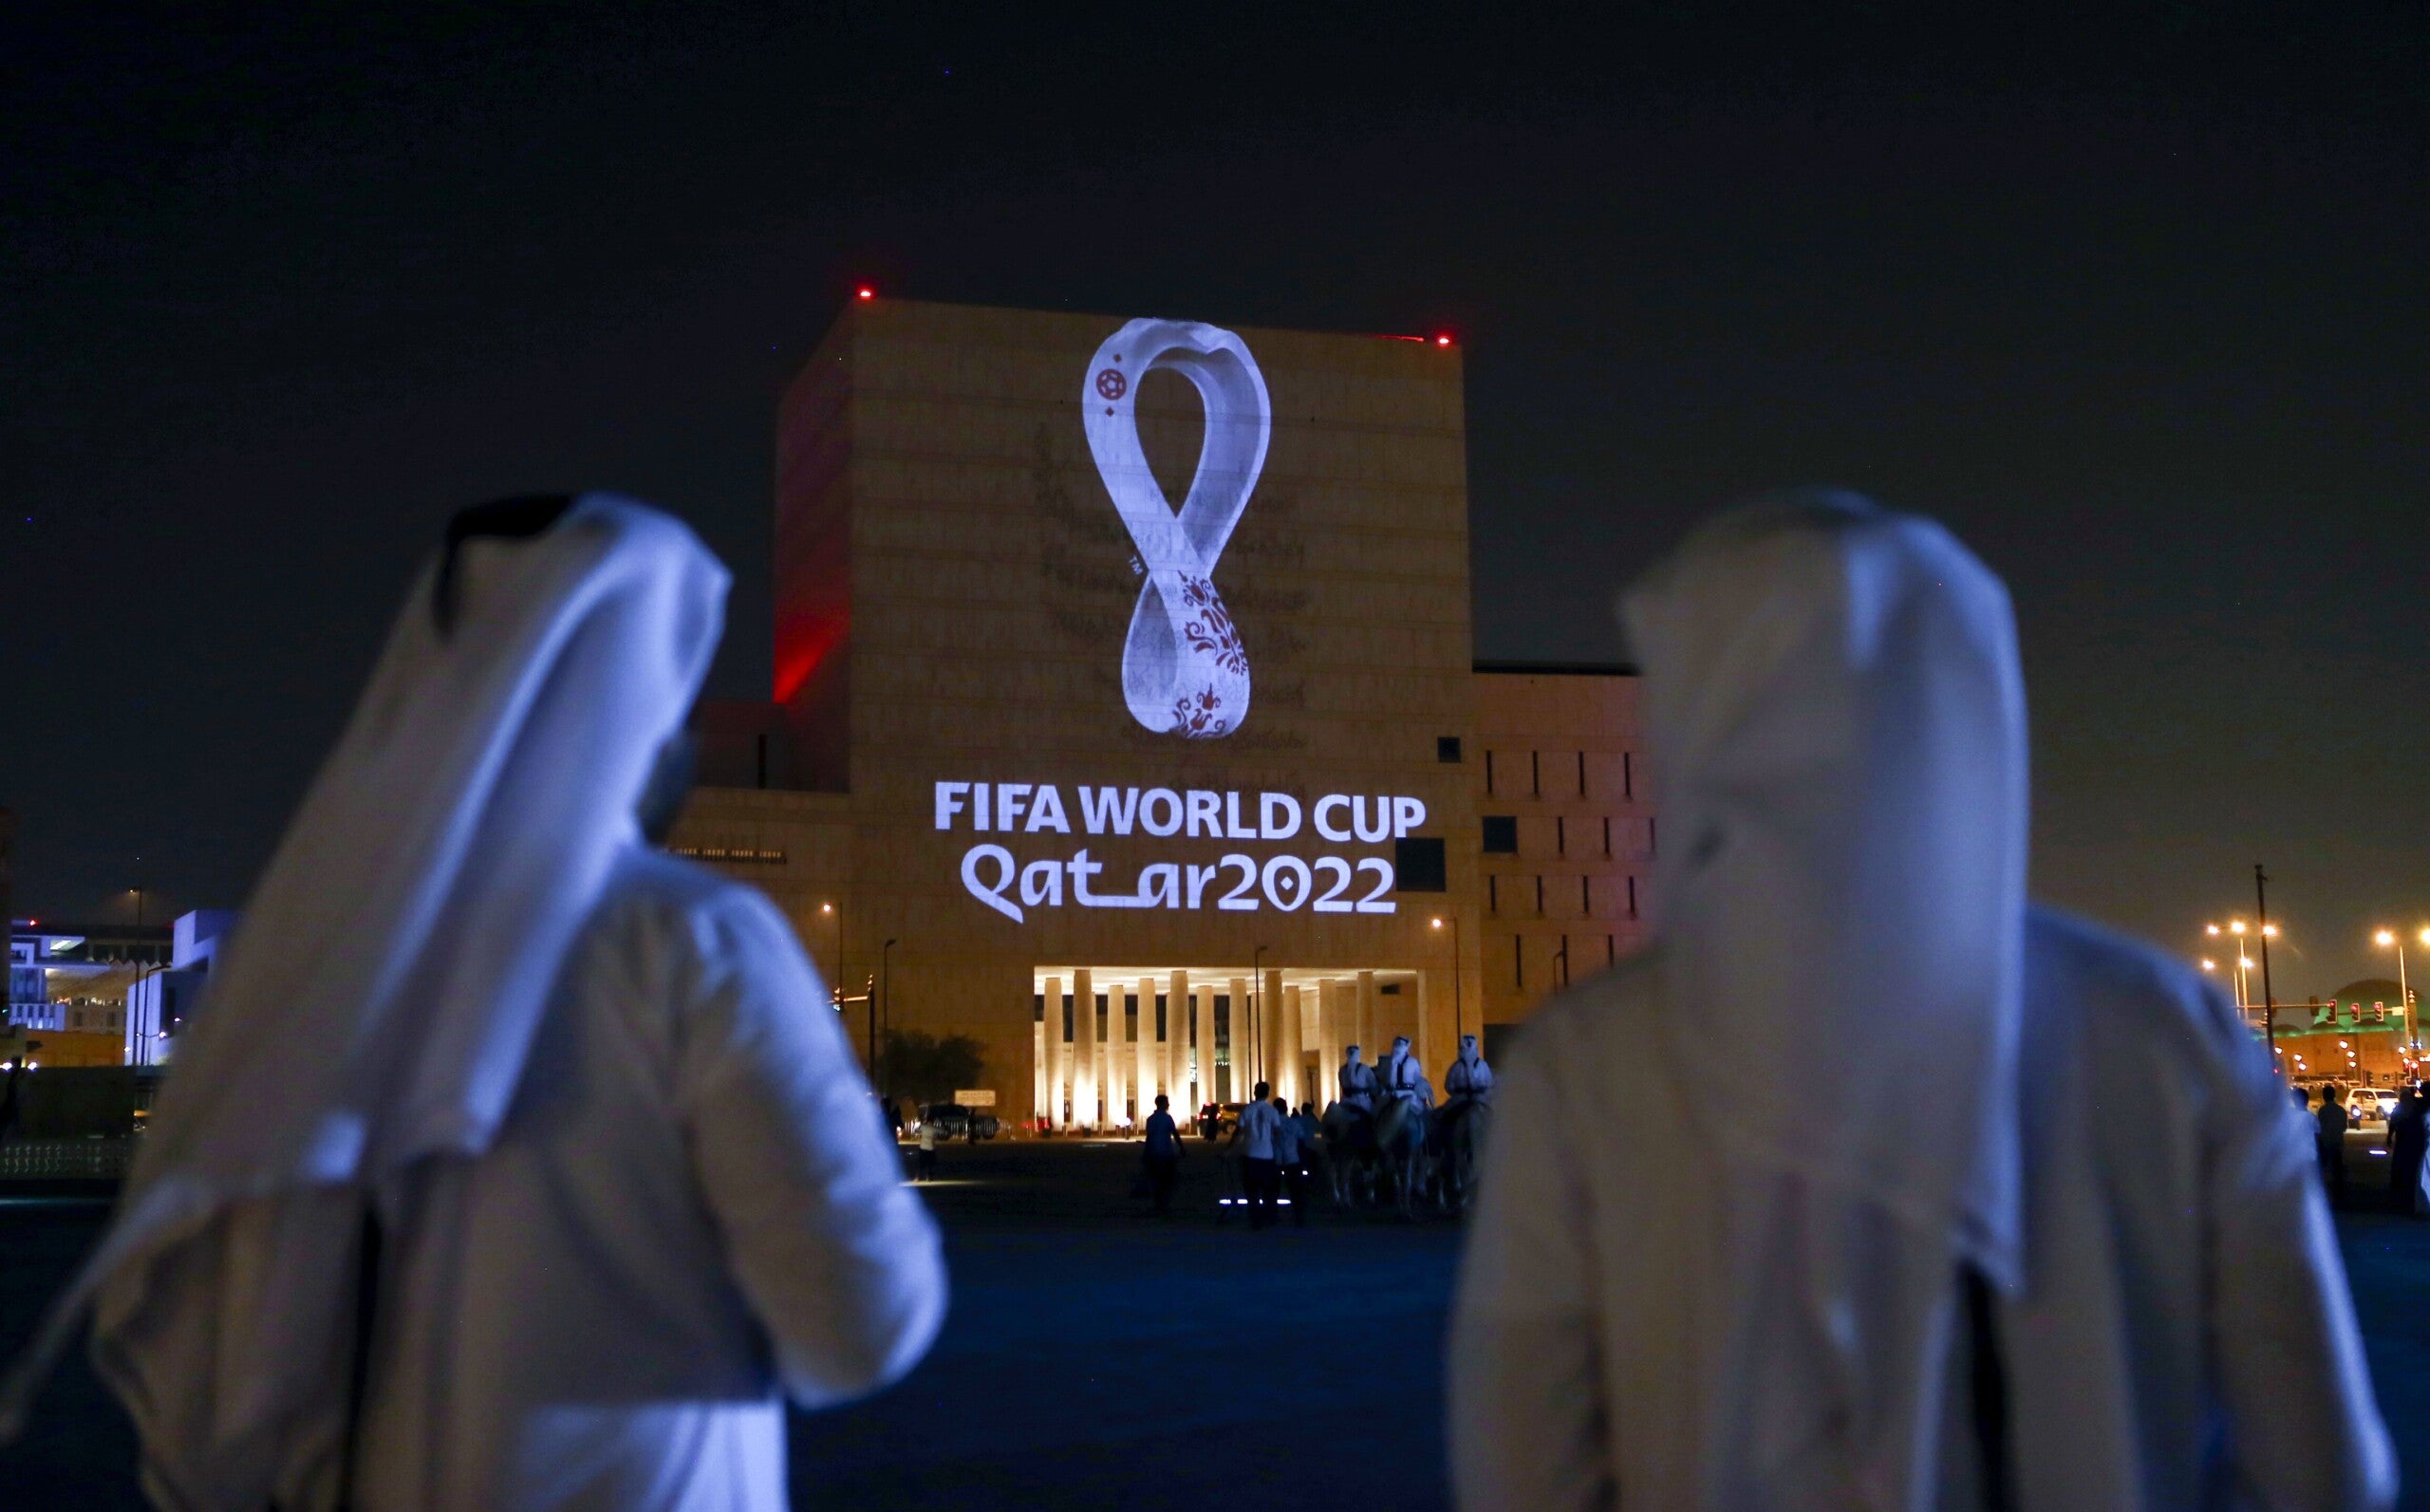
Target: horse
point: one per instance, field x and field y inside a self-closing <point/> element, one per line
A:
<point x="1457" y="1136"/>
<point x="1400" y="1150"/>
<point x="1349" y="1134"/>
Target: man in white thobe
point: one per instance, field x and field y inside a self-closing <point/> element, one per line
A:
<point x="1469" y="1077"/>
<point x="1403" y="1078"/>
<point x="1357" y="1082"/>
<point x="517" y="1165"/>
<point x="1915" y="1261"/>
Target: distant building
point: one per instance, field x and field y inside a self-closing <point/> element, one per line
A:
<point x="160" y="1003"/>
<point x="2360" y="1033"/>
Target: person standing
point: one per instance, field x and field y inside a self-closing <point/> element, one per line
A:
<point x="1469" y="1077"/>
<point x="2408" y="1141"/>
<point x="512" y="1166"/>
<point x="1258" y="1132"/>
<point x="1291" y="1161"/>
<point x="2332" y="1143"/>
<point x="927" y="1168"/>
<point x="1915" y="1259"/>
<point x="1163" y="1155"/>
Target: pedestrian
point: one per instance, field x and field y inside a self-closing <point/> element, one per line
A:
<point x="1914" y="1260"/>
<point x="928" y="1164"/>
<point x="2333" y="1125"/>
<point x="1291" y="1162"/>
<point x="2408" y="1141"/>
<point x="508" y="1171"/>
<point x="1260" y="1180"/>
<point x="1163" y="1155"/>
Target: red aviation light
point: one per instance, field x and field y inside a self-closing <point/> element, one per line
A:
<point x="865" y="291"/>
<point x="1442" y="341"/>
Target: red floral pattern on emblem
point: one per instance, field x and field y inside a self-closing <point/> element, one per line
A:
<point x="1110" y="384"/>
<point x="1194" y="715"/>
<point x="1213" y="631"/>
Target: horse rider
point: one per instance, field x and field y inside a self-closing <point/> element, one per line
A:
<point x="1404" y="1079"/>
<point x="1357" y="1083"/>
<point x="1469" y="1077"/>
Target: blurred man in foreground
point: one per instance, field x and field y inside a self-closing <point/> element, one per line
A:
<point x="1917" y="1262"/>
<point x="513" y="1163"/>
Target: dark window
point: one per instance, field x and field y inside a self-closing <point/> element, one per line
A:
<point x="1501" y="835"/>
<point x="1038" y="1008"/>
<point x="1650" y="842"/>
<point x="1607" y="834"/>
<point x="1536" y="772"/>
<point x="1102" y="1035"/>
<point x="1585" y="899"/>
<point x="1162" y="1032"/>
<point x="1067" y="1015"/>
<point x="1610" y="951"/>
<point x="1632" y="897"/>
<point x="1488" y="774"/>
<point x="1388" y="989"/>
<point x="1561" y="835"/>
<point x="1628" y="777"/>
<point x="1561" y="979"/>
<point x="1492" y="894"/>
<point x="1581" y="773"/>
<point x="1130" y="1018"/>
<point x="1447" y="749"/>
<point x="1539" y="897"/>
<point x="1418" y="866"/>
<point x="1519" y="960"/>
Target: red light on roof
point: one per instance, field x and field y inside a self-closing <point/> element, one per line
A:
<point x="865" y="291"/>
<point x="1442" y="341"/>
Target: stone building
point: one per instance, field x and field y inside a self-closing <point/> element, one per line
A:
<point x="1125" y="716"/>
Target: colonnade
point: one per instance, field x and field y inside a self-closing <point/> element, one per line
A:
<point x="1105" y="1072"/>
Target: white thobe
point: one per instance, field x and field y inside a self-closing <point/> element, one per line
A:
<point x="692" y="1208"/>
<point x="2184" y="1337"/>
<point x="1358" y="1086"/>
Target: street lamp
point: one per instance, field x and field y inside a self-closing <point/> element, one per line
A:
<point x="1459" y="1022"/>
<point x="2387" y="939"/>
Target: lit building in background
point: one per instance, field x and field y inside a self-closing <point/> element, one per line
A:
<point x="67" y="984"/>
<point x="1125" y="716"/>
<point x="162" y="1003"/>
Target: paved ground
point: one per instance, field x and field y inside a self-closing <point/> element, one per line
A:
<point x="1098" y="1358"/>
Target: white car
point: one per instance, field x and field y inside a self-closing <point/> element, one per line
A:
<point x="2371" y="1104"/>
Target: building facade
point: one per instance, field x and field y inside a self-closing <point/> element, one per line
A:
<point x="1126" y="718"/>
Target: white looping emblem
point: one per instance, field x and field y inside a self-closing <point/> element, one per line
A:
<point x="1183" y="666"/>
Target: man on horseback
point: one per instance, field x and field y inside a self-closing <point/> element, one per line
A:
<point x="1469" y="1077"/>
<point x="1357" y="1083"/>
<point x="1404" y="1079"/>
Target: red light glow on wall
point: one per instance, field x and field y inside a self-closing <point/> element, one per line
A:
<point x="802" y="643"/>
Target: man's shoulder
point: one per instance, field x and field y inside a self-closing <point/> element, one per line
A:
<point x="650" y="884"/>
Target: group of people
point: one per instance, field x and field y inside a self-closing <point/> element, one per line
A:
<point x="486" y="1067"/>
<point x="2406" y="1142"/>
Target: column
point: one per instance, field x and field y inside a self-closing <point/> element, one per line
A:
<point x="1177" y="1043"/>
<point x="1058" y="1075"/>
<point x="1269" y="1028"/>
<point x="1038" y="1067"/>
<point x="1243" y="1054"/>
<point x="1200" y="1076"/>
<point x="1370" y="1021"/>
<point x="1330" y="1041"/>
<point x="1117" y="1054"/>
<point x="1144" y="1054"/>
<point x="1438" y="1059"/>
<point x="1084" y="1052"/>
<point x="1292" y="1084"/>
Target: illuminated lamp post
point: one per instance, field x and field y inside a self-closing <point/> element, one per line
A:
<point x="2236" y="927"/>
<point x="2388" y="939"/>
<point x="2268" y="999"/>
<point x="1458" y="1021"/>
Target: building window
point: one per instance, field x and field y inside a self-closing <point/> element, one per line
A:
<point x="1447" y="750"/>
<point x="1488" y="774"/>
<point x="1561" y="835"/>
<point x="1651" y="844"/>
<point x="1067" y="1015"/>
<point x="1501" y="835"/>
<point x="1628" y="777"/>
<point x="1519" y="961"/>
<point x="1418" y="866"/>
<point x="1585" y="898"/>
<point x="1038" y="1007"/>
<point x="1131" y="1019"/>
<point x="1536" y="773"/>
<point x="1539" y="897"/>
<point x="1632" y="897"/>
<point x="1561" y="977"/>
<point x="1607" y="834"/>
<point x="1610" y="951"/>
<point x="1492" y="894"/>
<point x="1163" y="1032"/>
<point x="1581" y="773"/>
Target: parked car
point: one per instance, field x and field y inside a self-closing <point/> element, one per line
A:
<point x="954" y="1121"/>
<point x="1217" y="1120"/>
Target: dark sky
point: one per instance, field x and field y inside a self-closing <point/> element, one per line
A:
<point x="2136" y="301"/>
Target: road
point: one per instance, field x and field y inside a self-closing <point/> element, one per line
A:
<point x="1096" y="1358"/>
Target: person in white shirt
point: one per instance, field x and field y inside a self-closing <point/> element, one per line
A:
<point x="1357" y="1082"/>
<point x="1259" y="1135"/>
<point x="1469" y="1077"/>
<point x="1402" y="1077"/>
<point x="517" y="1165"/>
<point x="1913" y="1261"/>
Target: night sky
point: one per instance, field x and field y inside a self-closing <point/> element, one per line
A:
<point x="2137" y="304"/>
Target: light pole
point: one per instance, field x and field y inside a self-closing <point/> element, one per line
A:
<point x="2385" y="939"/>
<point x="2268" y="999"/>
<point x="1458" y="1022"/>
<point x="885" y="990"/>
<point x="1257" y="1016"/>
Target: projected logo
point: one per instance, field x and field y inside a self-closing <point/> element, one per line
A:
<point x="1184" y="670"/>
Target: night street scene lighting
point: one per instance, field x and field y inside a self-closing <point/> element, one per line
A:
<point x="939" y="758"/>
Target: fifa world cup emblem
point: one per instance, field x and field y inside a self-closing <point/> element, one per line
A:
<point x="1184" y="671"/>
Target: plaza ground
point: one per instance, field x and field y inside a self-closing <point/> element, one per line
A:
<point x="1096" y="1358"/>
